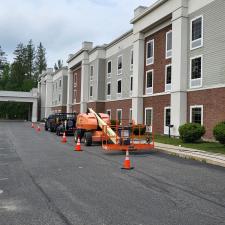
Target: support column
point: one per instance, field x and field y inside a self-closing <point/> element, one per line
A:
<point x="34" y="111"/>
<point x="179" y="68"/>
<point x="48" y="102"/>
<point x="138" y="78"/>
<point x="84" y="83"/>
<point x="69" y="91"/>
<point x="43" y="98"/>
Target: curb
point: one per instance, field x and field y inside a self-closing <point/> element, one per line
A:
<point x="202" y="156"/>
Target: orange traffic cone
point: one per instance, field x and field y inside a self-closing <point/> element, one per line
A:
<point x="77" y="146"/>
<point x="64" y="140"/>
<point x="38" y="128"/>
<point x="126" y="163"/>
<point x="32" y="125"/>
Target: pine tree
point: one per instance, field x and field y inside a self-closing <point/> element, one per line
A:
<point x="58" y="65"/>
<point x="40" y="60"/>
<point x="30" y="56"/>
<point x="3" y="59"/>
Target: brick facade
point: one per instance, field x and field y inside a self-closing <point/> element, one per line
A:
<point x="213" y="101"/>
<point x="76" y="108"/>
<point x="59" y="109"/>
<point x="76" y="85"/>
<point x="157" y="103"/>
<point x="125" y="105"/>
<point x="98" y="107"/>
<point x="160" y="60"/>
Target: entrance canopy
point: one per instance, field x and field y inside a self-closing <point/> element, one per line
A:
<point x="18" y="96"/>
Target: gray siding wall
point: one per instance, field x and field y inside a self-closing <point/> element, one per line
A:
<point x="213" y="50"/>
<point x="58" y="91"/>
<point x="101" y="79"/>
<point x="94" y="81"/>
<point x="125" y="76"/>
<point x="64" y="94"/>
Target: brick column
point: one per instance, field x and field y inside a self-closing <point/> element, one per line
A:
<point x="69" y="91"/>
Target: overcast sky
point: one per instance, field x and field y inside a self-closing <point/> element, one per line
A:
<point x="62" y="25"/>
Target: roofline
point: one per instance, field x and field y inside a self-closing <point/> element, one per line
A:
<point x="75" y="55"/>
<point x="98" y="47"/>
<point x="62" y="68"/>
<point x="121" y="37"/>
<point x="148" y="10"/>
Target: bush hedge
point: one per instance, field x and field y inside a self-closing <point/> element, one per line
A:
<point x="191" y="132"/>
<point x="219" y="132"/>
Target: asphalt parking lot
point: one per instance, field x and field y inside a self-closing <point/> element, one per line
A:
<point x="45" y="182"/>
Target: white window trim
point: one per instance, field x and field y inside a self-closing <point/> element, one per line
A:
<point x="119" y="71"/>
<point x="117" y="114"/>
<point x="131" y="91"/>
<point x="166" y="46"/>
<point x="166" y="77"/>
<point x="131" y="65"/>
<point x="119" y="94"/>
<point x="108" y="96"/>
<point x="109" y="110"/>
<point x="91" y="75"/>
<point x="149" y="108"/>
<point x="153" y="54"/>
<point x="165" y="108"/>
<point x="130" y="117"/>
<point x="201" y="16"/>
<point x="90" y="96"/>
<point x="193" y="107"/>
<point x="146" y="82"/>
<point x="75" y="99"/>
<point x="195" y="57"/>
<point x="109" y="74"/>
<point x="75" y="83"/>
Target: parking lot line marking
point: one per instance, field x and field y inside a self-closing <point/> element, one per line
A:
<point x="1" y="191"/>
<point x="4" y="178"/>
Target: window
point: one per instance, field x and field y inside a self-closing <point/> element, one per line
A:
<point x="130" y="115"/>
<point x="75" y="79"/>
<point x="74" y="96"/>
<point x="92" y="72"/>
<point x="167" y="113"/>
<point x="131" y="85"/>
<point x="119" y="88"/>
<point x="108" y="91"/>
<point x="60" y="83"/>
<point x="168" y="44"/>
<point x="148" y="116"/>
<point x="131" y="59"/>
<point x="91" y="91"/>
<point x="196" y="72"/>
<point x="119" y="115"/>
<point x="149" y="82"/>
<point x="197" y="32"/>
<point x="59" y="98"/>
<point x="150" y="52"/>
<point x="108" y="111"/>
<point x="55" y="86"/>
<point x="109" y="68"/>
<point x="168" y="78"/>
<point x="119" y="65"/>
<point x="196" y="114"/>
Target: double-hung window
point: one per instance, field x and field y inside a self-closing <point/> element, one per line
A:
<point x="196" y="114"/>
<point x="119" y="88"/>
<point x="119" y="115"/>
<point x="196" y="72"/>
<point x="150" y="52"/>
<point x="91" y="73"/>
<point x="108" y="91"/>
<point x="168" y="78"/>
<point x="131" y="60"/>
<point x="91" y="92"/>
<point x="196" y="32"/>
<point x="109" y="68"/>
<point x="148" y="117"/>
<point x="119" y="65"/>
<point x="149" y="82"/>
<point x="131" y="85"/>
<point x="168" y="44"/>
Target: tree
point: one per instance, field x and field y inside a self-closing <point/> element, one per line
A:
<point x="3" y="59"/>
<point x="29" y="58"/>
<point x="40" y="60"/>
<point x="58" y="65"/>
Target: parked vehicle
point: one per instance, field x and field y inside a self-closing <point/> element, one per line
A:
<point x="58" y="119"/>
<point x="67" y="125"/>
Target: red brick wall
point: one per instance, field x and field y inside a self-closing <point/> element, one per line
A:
<point x="61" y="109"/>
<point x="78" y="84"/>
<point x="157" y="103"/>
<point x="213" y="102"/>
<point x="98" y="107"/>
<point x="76" y="108"/>
<point x="160" y="60"/>
<point x="125" y="105"/>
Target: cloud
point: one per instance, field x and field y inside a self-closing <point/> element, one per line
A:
<point x="62" y="25"/>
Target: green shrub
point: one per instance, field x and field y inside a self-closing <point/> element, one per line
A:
<point x="113" y="122"/>
<point x="219" y="132"/>
<point x="191" y="132"/>
<point x="136" y="130"/>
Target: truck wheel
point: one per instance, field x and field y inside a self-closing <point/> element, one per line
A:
<point x="75" y="136"/>
<point x="88" y="138"/>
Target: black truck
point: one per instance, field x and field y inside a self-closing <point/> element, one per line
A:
<point x="61" y="122"/>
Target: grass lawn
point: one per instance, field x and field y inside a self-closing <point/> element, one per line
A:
<point x="202" y="145"/>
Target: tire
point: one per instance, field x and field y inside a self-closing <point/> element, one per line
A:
<point x="75" y="136"/>
<point x="88" y="139"/>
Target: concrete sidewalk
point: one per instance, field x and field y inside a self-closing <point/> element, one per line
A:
<point x="188" y="153"/>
